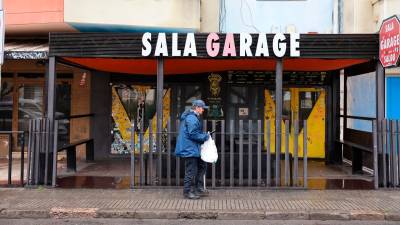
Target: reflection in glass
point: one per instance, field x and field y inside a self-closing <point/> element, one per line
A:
<point x="307" y="101"/>
<point x="30" y="105"/>
<point x="6" y="106"/>
<point x="130" y="104"/>
<point x="63" y="109"/>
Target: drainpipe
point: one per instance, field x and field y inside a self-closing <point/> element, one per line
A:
<point x="340" y="16"/>
<point x="335" y="17"/>
<point x="2" y="36"/>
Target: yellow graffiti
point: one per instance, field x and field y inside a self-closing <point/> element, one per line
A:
<point x="166" y="113"/>
<point x="120" y="116"/>
<point x="123" y="122"/>
<point x="315" y="130"/>
<point x="315" y="124"/>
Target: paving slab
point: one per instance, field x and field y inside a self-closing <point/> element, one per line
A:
<point x="221" y="204"/>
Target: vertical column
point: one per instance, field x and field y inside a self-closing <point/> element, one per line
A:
<point x="51" y="78"/>
<point x="344" y="106"/>
<point x="380" y="91"/>
<point x="278" y="119"/>
<point x="159" y="113"/>
<point x="51" y="88"/>
<point x="380" y="115"/>
<point x="336" y="153"/>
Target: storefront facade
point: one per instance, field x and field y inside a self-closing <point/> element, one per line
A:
<point x="128" y="88"/>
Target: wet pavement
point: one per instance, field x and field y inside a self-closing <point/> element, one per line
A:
<point x="250" y="204"/>
<point x="182" y="222"/>
<point x="105" y="182"/>
<point x="115" y="174"/>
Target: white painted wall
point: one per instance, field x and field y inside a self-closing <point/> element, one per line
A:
<point x="366" y="16"/>
<point x="147" y="13"/>
<point x="279" y="16"/>
<point x="209" y="16"/>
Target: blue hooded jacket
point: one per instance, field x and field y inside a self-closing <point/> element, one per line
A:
<point x="190" y="136"/>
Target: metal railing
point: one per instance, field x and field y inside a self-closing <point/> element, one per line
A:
<point x="21" y="140"/>
<point x="42" y="151"/>
<point x="388" y="135"/>
<point x="246" y="155"/>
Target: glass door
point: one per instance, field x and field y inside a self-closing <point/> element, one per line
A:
<point x="30" y="104"/>
<point x="244" y="103"/>
<point x="6" y="104"/>
<point x="130" y="104"/>
<point x="300" y="104"/>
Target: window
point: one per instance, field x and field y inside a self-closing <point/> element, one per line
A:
<point x="6" y="105"/>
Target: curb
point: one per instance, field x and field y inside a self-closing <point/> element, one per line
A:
<point x="392" y="216"/>
<point x="63" y="213"/>
<point x="295" y="215"/>
<point x="366" y="215"/>
<point x="24" y="214"/>
<point x="240" y="215"/>
<point x="111" y="214"/>
<point x="329" y="215"/>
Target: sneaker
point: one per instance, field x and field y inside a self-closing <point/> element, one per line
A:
<point x="191" y="195"/>
<point x="202" y="192"/>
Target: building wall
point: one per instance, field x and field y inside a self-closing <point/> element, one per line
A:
<point x="279" y="16"/>
<point x="24" y="17"/>
<point x="366" y="16"/>
<point x="80" y="105"/>
<point x="27" y="17"/>
<point x="139" y="13"/>
<point x="101" y="107"/>
<point x="209" y="20"/>
<point x="20" y="12"/>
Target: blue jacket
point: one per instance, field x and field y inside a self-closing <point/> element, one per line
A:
<point x="190" y="136"/>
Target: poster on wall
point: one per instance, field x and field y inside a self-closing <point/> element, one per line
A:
<point x="214" y="98"/>
<point x="4" y="145"/>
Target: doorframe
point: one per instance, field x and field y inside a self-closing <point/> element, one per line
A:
<point x="328" y="113"/>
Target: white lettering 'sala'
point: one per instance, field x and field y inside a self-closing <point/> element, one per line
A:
<point x="175" y="50"/>
<point x="190" y="45"/>
<point x="146" y="49"/>
<point x="161" y="46"/>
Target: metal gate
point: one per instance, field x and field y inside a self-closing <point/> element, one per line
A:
<point x="388" y="135"/>
<point x="42" y="152"/>
<point x="246" y="157"/>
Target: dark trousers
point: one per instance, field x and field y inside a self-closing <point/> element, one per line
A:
<point x="195" y="168"/>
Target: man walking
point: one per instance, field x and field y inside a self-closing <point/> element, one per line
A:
<point x="190" y="138"/>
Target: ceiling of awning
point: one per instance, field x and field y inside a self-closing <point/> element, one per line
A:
<point x="196" y="65"/>
<point x="26" y="49"/>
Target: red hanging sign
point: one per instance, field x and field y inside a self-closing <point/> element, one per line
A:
<point x="389" y="42"/>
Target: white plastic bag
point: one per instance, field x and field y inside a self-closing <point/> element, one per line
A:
<point x="209" y="151"/>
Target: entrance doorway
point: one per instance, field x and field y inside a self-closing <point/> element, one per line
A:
<point x="300" y="104"/>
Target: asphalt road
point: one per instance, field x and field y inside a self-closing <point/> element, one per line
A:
<point x="180" y="222"/>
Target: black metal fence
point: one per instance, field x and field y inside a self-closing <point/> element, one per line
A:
<point x="21" y="140"/>
<point x="246" y="156"/>
<point x="42" y="152"/>
<point x="388" y="135"/>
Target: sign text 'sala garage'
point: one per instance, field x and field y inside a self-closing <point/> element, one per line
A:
<point x="389" y="42"/>
<point x="215" y="47"/>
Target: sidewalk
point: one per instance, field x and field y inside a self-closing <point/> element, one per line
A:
<point x="250" y="204"/>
